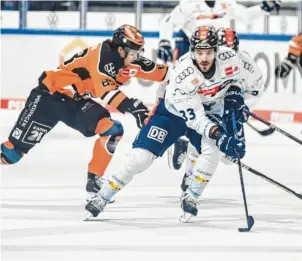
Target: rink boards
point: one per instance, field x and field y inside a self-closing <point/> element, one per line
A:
<point x="26" y="54"/>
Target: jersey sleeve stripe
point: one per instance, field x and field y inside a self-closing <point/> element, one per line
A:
<point x="110" y="96"/>
<point x="116" y="100"/>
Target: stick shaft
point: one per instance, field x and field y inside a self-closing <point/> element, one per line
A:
<point x="272" y="126"/>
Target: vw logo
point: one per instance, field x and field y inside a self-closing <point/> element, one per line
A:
<point x="110" y="20"/>
<point x="283" y="24"/>
<point x="53" y="20"/>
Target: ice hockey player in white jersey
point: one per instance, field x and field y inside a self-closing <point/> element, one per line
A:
<point x="250" y="73"/>
<point x="189" y="14"/>
<point x="204" y="89"/>
<point x="184" y="18"/>
<point x="252" y="89"/>
<point x="252" y="86"/>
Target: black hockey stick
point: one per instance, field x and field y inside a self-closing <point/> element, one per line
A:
<point x="270" y="180"/>
<point x="249" y="219"/>
<point x="272" y="126"/>
<point x="267" y="132"/>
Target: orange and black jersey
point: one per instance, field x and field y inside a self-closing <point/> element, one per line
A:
<point x="295" y="48"/>
<point x="98" y="71"/>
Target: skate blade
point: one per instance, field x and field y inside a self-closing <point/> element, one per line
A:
<point x="91" y="195"/>
<point x="88" y="216"/>
<point x="185" y="217"/>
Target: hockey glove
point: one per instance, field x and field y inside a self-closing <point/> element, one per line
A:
<point x="269" y="6"/>
<point x="229" y="145"/>
<point x="164" y="51"/>
<point x="283" y="69"/>
<point x="139" y="111"/>
<point x="233" y="101"/>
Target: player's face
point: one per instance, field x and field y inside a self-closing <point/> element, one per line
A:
<point x="131" y="56"/>
<point x="204" y="58"/>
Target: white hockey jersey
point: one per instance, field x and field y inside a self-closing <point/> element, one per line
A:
<point x="191" y="96"/>
<point x="251" y="79"/>
<point x="189" y="14"/>
<point x="250" y="75"/>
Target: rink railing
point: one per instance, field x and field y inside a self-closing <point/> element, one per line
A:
<point x="255" y="37"/>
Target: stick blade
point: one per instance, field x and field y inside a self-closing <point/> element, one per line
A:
<point x="267" y="132"/>
<point x="250" y="223"/>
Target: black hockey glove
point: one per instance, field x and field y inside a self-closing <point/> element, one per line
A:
<point x="270" y="5"/>
<point x="139" y="111"/>
<point x="284" y="68"/>
<point x="164" y="51"/>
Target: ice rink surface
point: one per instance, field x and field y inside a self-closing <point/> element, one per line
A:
<point x="43" y="199"/>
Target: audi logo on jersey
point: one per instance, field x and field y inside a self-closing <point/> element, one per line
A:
<point x="184" y="74"/>
<point x="226" y="55"/>
<point x="248" y="66"/>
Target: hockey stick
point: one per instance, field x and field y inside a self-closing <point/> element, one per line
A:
<point x="249" y="219"/>
<point x="170" y="155"/>
<point x="267" y="132"/>
<point x="272" y="126"/>
<point x="270" y="180"/>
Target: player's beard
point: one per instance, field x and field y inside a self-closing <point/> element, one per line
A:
<point x="205" y="66"/>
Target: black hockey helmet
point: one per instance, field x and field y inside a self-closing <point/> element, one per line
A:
<point x="228" y="37"/>
<point x="128" y="37"/>
<point x="204" y="37"/>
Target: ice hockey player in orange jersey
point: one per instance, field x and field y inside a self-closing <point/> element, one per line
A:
<point x="294" y="58"/>
<point x="64" y="95"/>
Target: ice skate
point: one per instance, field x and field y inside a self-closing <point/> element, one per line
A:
<point x="94" y="207"/>
<point x="189" y="205"/>
<point x="93" y="186"/>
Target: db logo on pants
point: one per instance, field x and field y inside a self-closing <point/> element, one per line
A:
<point x="158" y="134"/>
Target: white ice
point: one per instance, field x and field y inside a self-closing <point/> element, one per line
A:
<point x="43" y="198"/>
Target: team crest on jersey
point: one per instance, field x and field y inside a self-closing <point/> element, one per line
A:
<point x="110" y="69"/>
<point x="195" y="81"/>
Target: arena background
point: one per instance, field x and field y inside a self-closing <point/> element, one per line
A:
<point x="38" y="35"/>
